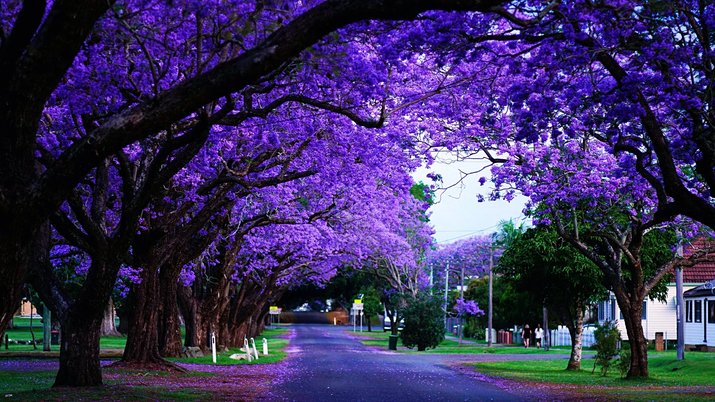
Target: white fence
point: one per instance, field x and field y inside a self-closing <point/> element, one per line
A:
<point x="561" y="337"/>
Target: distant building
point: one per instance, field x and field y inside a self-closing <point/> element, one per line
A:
<point x="660" y="316"/>
<point x="700" y="317"/>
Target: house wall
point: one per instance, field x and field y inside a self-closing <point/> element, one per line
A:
<point x="660" y="316"/>
<point x="695" y="333"/>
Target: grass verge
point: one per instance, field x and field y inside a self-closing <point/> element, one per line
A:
<point x="665" y="370"/>
<point x="276" y="351"/>
<point x="449" y="346"/>
<point x="670" y="379"/>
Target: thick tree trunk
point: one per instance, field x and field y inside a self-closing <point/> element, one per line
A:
<point x="15" y="253"/>
<point x="79" y="352"/>
<point x="18" y="250"/>
<point x="637" y="340"/>
<point x="142" y="349"/>
<point x="108" y="327"/>
<point x="189" y="309"/>
<point x="169" y="327"/>
<point x="123" y="315"/>
<point x="576" y="332"/>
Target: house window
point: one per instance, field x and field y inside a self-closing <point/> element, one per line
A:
<point x="688" y="311"/>
<point x="698" y="311"/>
<point x="711" y="311"/>
<point x="613" y="309"/>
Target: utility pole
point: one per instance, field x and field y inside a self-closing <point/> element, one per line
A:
<point x="431" y="280"/>
<point x="489" y="317"/>
<point x="680" y="304"/>
<point x="461" y="296"/>
<point x="446" y="290"/>
<point x="546" y="339"/>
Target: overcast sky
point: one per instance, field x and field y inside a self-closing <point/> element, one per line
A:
<point x="457" y="214"/>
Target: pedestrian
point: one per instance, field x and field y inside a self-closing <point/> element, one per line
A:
<point x="538" y="335"/>
<point x="525" y="335"/>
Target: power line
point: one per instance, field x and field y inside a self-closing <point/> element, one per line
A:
<point x="470" y="234"/>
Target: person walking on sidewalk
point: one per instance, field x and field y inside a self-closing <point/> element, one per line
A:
<point x="526" y="335"/>
<point x="538" y="335"/>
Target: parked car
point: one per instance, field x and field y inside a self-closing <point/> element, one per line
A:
<point x="387" y="323"/>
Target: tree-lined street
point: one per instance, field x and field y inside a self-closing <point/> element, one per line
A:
<point x="328" y="364"/>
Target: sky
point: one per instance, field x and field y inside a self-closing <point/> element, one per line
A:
<point x="456" y="213"/>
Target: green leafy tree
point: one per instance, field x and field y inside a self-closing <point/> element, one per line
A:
<point x="607" y="339"/>
<point x="371" y="305"/>
<point x="510" y="305"/>
<point x="557" y="276"/>
<point x="424" y="327"/>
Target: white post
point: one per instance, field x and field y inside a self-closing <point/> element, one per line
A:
<point x="431" y="280"/>
<point x="491" y="311"/>
<point x="335" y="321"/>
<point x="354" y="320"/>
<point x="255" y="351"/>
<point x="360" y="320"/>
<point x="265" y="347"/>
<point x="446" y="291"/>
<point x="213" y="346"/>
<point x="247" y="348"/>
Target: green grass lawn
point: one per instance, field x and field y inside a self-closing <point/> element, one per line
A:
<point x="33" y="385"/>
<point x="275" y="346"/>
<point x="24" y="334"/>
<point x="697" y="369"/>
<point x="449" y="346"/>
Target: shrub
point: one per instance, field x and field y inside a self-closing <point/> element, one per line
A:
<point x="424" y="325"/>
<point x="608" y="338"/>
<point x="472" y="329"/>
<point x="624" y="361"/>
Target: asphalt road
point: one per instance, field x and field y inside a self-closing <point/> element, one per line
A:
<point x="326" y="364"/>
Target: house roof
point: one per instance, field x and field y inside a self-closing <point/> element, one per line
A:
<point x="706" y="289"/>
<point x="703" y="271"/>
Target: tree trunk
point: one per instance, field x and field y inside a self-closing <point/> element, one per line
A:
<point x="637" y="340"/>
<point x="108" y="327"/>
<point x="576" y="332"/>
<point x="169" y="328"/>
<point x="189" y="309"/>
<point x="15" y="254"/>
<point x="79" y="352"/>
<point x="369" y="324"/>
<point x="143" y="337"/>
<point x="123" y="315"/>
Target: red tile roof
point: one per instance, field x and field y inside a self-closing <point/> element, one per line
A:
<point x="701" y="272"/>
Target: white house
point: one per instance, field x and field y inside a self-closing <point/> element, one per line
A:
<point x="659" y="316"/>
<point x="700" y="316"/>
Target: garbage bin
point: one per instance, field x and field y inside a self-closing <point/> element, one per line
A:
<point x="659" y="342"/>
<point x="393" y="342"/>
<point x="54" y="337"/>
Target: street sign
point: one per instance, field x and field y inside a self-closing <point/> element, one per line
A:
<point x="359" y="301"/>
<point x="358" y="306"/>
<point x="274" y="310"/>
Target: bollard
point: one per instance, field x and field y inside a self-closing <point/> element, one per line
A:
<point x="213" y="346"/>
<point x="255" y="352"/>
<point x="335" y="321"/>
<point x="247" y="348"/>
<point x="265" y="347"/>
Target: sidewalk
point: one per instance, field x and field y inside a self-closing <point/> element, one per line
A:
<point x="469" y="341"/>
